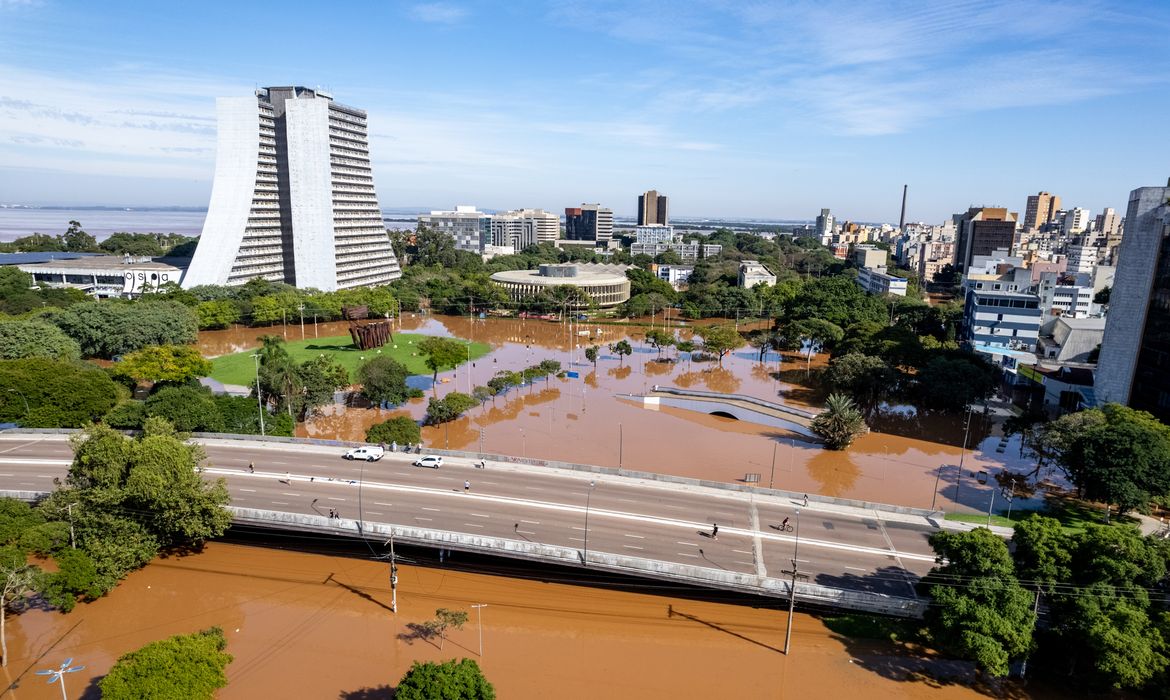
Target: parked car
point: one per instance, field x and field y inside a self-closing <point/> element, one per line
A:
<point x="370" y="453"/>
<point x="432" y="461"/>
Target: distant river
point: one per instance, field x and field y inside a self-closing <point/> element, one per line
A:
<point x="15" y="223"/>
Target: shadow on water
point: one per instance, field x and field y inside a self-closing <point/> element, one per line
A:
<point x="359" y="593"/>
<point x="380" y="692"/>
<point x="672" y="613"/>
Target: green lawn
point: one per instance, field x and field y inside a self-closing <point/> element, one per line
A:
<point x="240" y="368"/>
<point x="1072" y="514"/>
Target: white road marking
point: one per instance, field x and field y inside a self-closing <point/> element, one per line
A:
<point x="740" y="551"/>
<point x="856" y="568"/>
<point x="640" y="537"/>
<point x="286" y="493"/>
<point x="427" y="519"/>
<point x="525" y="532"/>
<point x="373" y="512"/>
<point x="531" y="522"/>
<point x="436" y="510"/>
<point x="479" y="515"/>
<point x="577" y="528"/>
<point x="472" y="525"/>
<point x="248" y="490"/>
<point x="630" y="546"/>
<point x="577" y="539"/>
<point x="687" y="544"/>
<point x="335" y="498"/>
<point x="684" y="554"/>
<point x="35" y="460"/>
<point x="379" y="503"/>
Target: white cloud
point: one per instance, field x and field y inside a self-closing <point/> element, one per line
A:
<point x="438" y="12"/>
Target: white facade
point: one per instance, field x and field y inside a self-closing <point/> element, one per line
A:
<point x="878" y="281"/>
<point x="1076" y="220"/>
<point x="674" y="275"/>
<point x="293" y="198"/>
<point x="654" y="233"/>
<point x="752" y="273"/>
<point x="1082" y="258"/>
<point x="470" y="229"/>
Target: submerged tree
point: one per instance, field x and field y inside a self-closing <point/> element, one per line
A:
<point x="840" y="423"/>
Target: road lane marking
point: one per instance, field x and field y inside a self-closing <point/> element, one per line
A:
<point x="740" y="551"/>
<point x="525" y="532"/>
<point x="426" y="519"/>
<point x="856" y="568"/>
<point x="630" y="546"/>
<point x="479" y="515"/>
<point x="36" y="460"/>
<point x="286" y="493"/>
<point x="248" y="490"/>
<point x="335" y="498"/>
<point x="373" y="512"/>
<point x="577" y="539"/>
<point x="687" y="544"/>
<point x="436" y="510"/>
<point x="278" y="503"/>
<point x="531" y="522"/>
<point x="379" y="503"/>
<point x="579" y="528"/>
<point x="684" y="554"/>
<point x="640" y="537"/>
<point x="472" y="525"/>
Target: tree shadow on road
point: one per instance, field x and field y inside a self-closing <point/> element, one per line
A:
<point x="888" y="580"/>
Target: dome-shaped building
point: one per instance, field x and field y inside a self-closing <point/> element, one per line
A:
<point x="607" y="285"/>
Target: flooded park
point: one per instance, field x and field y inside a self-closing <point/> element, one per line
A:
<point x="907" y="459"/>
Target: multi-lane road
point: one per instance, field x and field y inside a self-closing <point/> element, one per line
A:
<point x="838" y="546"/>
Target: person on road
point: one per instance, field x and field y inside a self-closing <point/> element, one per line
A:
<point x="714" y="531"/>
<point x="784" y="525"/>
<point x="466" y="486"/>
<point x="251" y="467"/>
<point x="806" y="500"/>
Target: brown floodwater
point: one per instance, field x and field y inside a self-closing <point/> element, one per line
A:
<point x="312" y="626"/>
<point x="589" y="420"/>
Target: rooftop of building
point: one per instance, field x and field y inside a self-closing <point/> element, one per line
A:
<point x="96" y="263"/>
<point x="586" y="273"/>
<point x="1083" y="324"/>
<point x="34" y="258"/>
<point x="990" y="293"/>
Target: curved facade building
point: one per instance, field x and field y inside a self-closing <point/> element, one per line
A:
<point x="293" y="198"/>
<point x="607" y="285"/>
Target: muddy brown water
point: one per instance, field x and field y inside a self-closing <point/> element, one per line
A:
<point x="587" y="420"/>
<point x="312" y="626"/>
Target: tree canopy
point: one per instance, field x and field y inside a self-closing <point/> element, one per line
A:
<point x="449" y="680"/>
<point x="35" y="338"/>
<point x="164" y="363"/>
<point x="403" y="430"/>
<point x="840" y="423"/>
<point x="383" y="380"/>
<point x="184" y="667"/>
<point x="107" y="329"/>
<point x="58" y="394"/>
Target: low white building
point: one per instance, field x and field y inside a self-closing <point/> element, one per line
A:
<point x="674" y="275"/>
<point x="878" y="281"/>
<point x="654" y="233"/>
<point x="108" y="276"/>
<point x="752" y="273"/>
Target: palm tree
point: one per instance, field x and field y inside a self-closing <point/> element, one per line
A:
<point x="840" y="423"/>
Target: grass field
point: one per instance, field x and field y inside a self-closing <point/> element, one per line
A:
<point x="240" y="368"/>
<point x="1072" y="514"/>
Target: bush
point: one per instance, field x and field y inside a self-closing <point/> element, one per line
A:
<point x="184" y="667"/>
<point x="188" y="408"/>
<point x="127" y="415"/>
<point x="35" y="338"/>
<point x="401" y="429"/>
<point x="58" y="394"/>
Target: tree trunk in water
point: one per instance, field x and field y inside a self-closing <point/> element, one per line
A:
<point x="3" y="636"/>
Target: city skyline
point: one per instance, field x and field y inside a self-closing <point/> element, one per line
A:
<point x="769" y="112"/>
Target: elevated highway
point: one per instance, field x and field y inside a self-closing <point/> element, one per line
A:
<point x="859" y="556"/>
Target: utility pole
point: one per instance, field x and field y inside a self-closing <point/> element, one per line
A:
<point x="772" y="478"/>
<point x="792" y="588"/>
<point x="621" y="443"/>
<point x="963" y="454"/>
<point x="72" y="538"/>
<point x="479" y="623"/>
<point x="301" y="308"/>
<point x="393" y="577"/>
<point x="588" y="496"/>
<point x="259" y="401"/>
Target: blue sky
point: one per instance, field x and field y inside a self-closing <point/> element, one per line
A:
<point x="768" y="110"/>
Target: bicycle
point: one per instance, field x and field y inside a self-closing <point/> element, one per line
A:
<point x="784" y="528"/>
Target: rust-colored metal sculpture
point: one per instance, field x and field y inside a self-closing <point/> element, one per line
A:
<point x="366" y="336"/>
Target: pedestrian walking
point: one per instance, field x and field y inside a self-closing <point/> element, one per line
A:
<point x="806" y="500"/>
<point x="287" y="478"/>
<point x="714" y="531"/>
<point x="315" y="501"/>
<point x="251" y="467"/>
<point x="516" y="527"/>
<point x="394" y="446"/>
<point x="466" y="486"/>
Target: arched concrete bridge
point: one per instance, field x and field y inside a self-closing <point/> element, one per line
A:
<point x="738" y="406"/>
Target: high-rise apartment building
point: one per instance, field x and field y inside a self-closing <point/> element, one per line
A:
<point x="1076" y="220"/>
<point x="1041" y="209"/>
<point x="293" y="197"/>
<point x="825" y="225"/>
<point x="521" y="228"/>
<point x="470" y="229"/>
<point x="982" y="231"/>
<point x="1134" y="367"/>
<point x="652" y="209"/>
<point x="1108" y="223"/>
<point x="589" y="222"/>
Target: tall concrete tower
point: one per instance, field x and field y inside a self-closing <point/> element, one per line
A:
<point x="902" y="219"/>
<point x="652" y="209"/>
<point x="293" y="198"/>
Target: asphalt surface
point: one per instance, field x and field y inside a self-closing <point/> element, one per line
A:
<point x="849" y="548"/>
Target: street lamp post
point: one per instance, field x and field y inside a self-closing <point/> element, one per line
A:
<point x="259" y="401"/>
<point x="588" y="496"/>
<point x="621" y="444"/>
<point x="57" y="675"/>
<point x="772" y="478"/>
<point x="22" y="396"/>
<point x="792" y="588"/>
<point x="479" y="623"/>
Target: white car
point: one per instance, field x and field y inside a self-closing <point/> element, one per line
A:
<point x="432" y="461"/>
<point x="370" y="453"/>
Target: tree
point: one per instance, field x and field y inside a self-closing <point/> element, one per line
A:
<point x="687" y="346"/>
<point x="76" y="576"/>
<point x="35" y="338"/>
<point x="840" y="423"/>
<point x="621" y="348"/>
<point x="399" y="429"/>
<point x="58" y="394"/>
<point x="979" y="612"/>
<point x="184" y="667"/>
<point x="482" y="394"/>
<point x="75" y="240"/>
<point x="720" y="339"/>
<point x="659" y="339"/>
<point x="448" y="408"/>
<point x="17" y="582"/>
<point x="441" y="352"/>
<point x="108" y="329"/>
<point x="503" y="381"/>
<point x="1043" y="552"/>
<point x="383" y="381"/>
<point x="216" y="314"/>
<point x="188" y="408"/>
<point x="321" y="377"/>
<point x="1115" y="454"/>
<point x="867" y="379"/>
<point x="460" y="680"/>
<point x="1102" y="297"/>
<point x="445" y="619"/>
<point x="591" y="354"/>
<point x="953" y="383"/>
<point x="164" y="363"/>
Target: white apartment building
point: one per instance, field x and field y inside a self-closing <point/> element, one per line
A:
<point x="654" y="233"/>
<point x="1082" y="257"/>
<point x="674" y="275"/>
<point x="293" y="197"/>
<point x="470" y="229"/>
<point x="1076" y="220"/>
<point x="875" y="280"/>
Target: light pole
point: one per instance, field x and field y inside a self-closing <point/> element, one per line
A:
<point x="469" y="368"/>
<point x="991" y="507"/>
<point x="259" y="401"/>
<point x="962" y="454"/>
<point x="301" y="308"/>
<point x="523" y="444"/>
<point x="57" y="675"/>
<point x="792" y="588"/>
<point x="21" y="393"/>
<point x="588" y="496"/>
<point x="621" y="444"/>
<point x="479" y="623"/>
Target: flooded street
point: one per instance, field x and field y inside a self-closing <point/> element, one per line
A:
<point x="313" y="626"/>
<point x="589" y="419"/>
